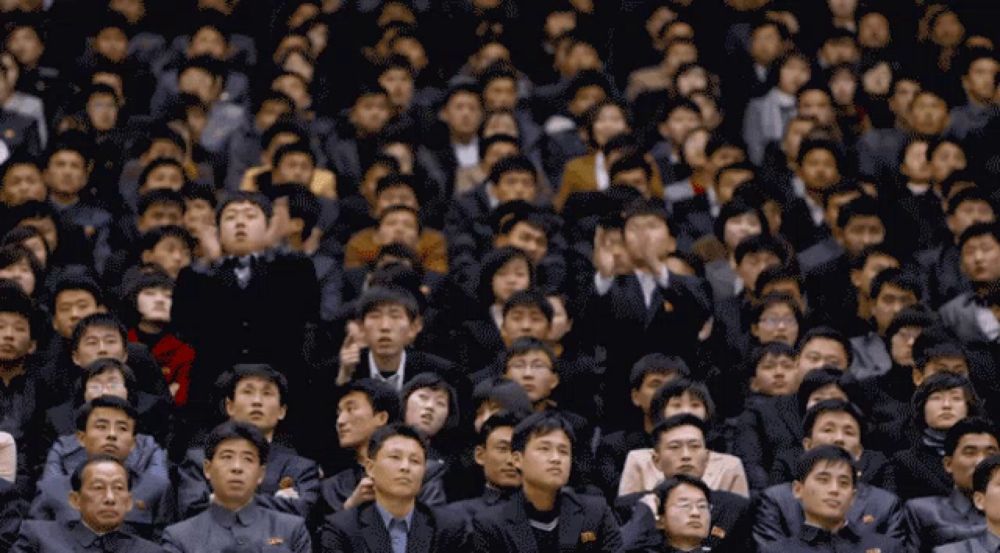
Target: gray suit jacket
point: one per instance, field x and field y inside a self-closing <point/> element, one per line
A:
<point x="252" y="528"/>
<point x="979" y="544"/>
<point x="41" y="536"/>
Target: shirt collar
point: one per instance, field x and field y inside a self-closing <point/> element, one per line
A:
<point x="85" y="536"/>
<point x="387" y="517"/>
<point x="227" y="519"/>
<point x="960" y="502"/>
<point x="396" y="380"/>
<point x="814" y="534"/>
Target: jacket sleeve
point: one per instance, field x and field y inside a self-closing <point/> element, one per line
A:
<point x="768" y="526"/>
<point x="301" y="542"/>
<point x="486" y="536"/>
<point x="332" y="539"/>
<point x="192" y="489"/>
<point x="611" y="537"/>
<point x="306" y="485"/>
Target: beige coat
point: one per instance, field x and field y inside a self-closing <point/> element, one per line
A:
<point x="723" y="472"/>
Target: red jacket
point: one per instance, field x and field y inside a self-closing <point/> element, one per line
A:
<point x="175" y="359"/>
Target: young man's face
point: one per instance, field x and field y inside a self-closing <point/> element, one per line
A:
<point x="861" y="232"/>
<point x="514" y="276"/>
<point x="154" y="303"/>
<point x="947" y="158"/>
<point x="104" y="498"/>
<point x="980" y="258"/>
<point x="776" y="375"/>
<point x="686" y="403"/>
<point x="500" y="94"/>
<point x="988" y="501"/>
<point x="534" y="372"/>
<point x="687" y="515"/>
<point x="819" y="170"/>
<point x="370" y="113"/>
<point x="524" y="321"/>
<point x="398" y="227"/>
<point x="515" y="185"/>
<point x="99" y="342"/>
<point x="835" y="428"/>
<point x="398" y="82"/>
<point x="954" y="364"/>
<point x="109" y="431"/>
<point x="463" y="113"/>
<point x="777" y="324"/>
<point x="928" y="114"/>
<point x="819" y="352"/>
<point x="681" y="450"/>
<point x="110" y="382"/>
<point x="826" y="493"/>
<point x="427" y="410"/>
<point x="585" y="98"/>
<point x="21" y="274"/>
<point x="495" y="458"/>
<point x="357" y="420"/>
<point x="159" y="215"/>
<point x="644" y="229"/>
<point x="21" y="183"/>
<point x="970" y="451"/>
<point x="256" y="401"/>
<point x="171" y="253"/>
<point x="651" y="382"/>
<point x="200" y="83"/>
<point x="242" y="228"/>
<point x="71" y="306"/>
<point x="235" y="470"/>
<point x="528" y="238"/>
<point x="388" y="329"/>
<point x="397" y="470"/>
<point x="875" y="264"/>
<point x="817" y="105"/>
<point x="891" y="300"/>
<point x="169" y="177"/>
<point x="546" y="460"/>
<point x="15" y="338"/>
<point x="66" y="173"/>
<point x="753" y="264"/>
<point x="102" y="110"/>
<point x="969" y="213"/>
<point x="980" y="81"/>
<point x="294" y="167"/>
<point x="945" y="407"/>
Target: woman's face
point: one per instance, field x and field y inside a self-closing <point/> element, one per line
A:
<point x="513" y="277"/>
<point x="945" y="407"/>
<point x="739" y="227"/>
<point x="609" y="123"/>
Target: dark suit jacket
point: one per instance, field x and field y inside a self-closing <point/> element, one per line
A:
<point x="585" y="524"/>
<point x="42" y="536"/>
<point x="769" y="426"/>
<point x="361" y="530"/>
<point x="919" y="471"/>
<point x="154" y="418"/>
<point x="731" y="522"/>
<point x="977" y="544"/>
<point x="934" y="521"/>
<point x="490" y="497"/>
<point x="813" y="540"/>
<point x="335" y="489"/>
<point x="874" y="468"/>
<point x="12" y="511"/>
<point x="779" y="514"/>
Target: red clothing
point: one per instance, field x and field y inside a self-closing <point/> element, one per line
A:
<point x="175" y="359"/>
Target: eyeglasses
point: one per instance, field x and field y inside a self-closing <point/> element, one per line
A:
<point x="97" y="388"/>
<point x="700" y="506"/>
<point x="538" y="366"/>
<point x="778" y="321"/>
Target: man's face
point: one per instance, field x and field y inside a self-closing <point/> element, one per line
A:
<point x="687" y="514"/>
<point x="875" y="264"/>
<point x="66" y="173"/>
<point x="496" y="460"/>
<point x="890" y="301"/>
<point x="534" y="372"/>
<point x="969" y="213"/>
<point x="500" y="94"/>
<point x="981" y="258"/>
<point x="242" y="228"/>
<point x="817" y="105"/>
<point x="104" y="498"/>
<point x="21" y="274"/>
<point x="988" y="501"/>
<point x="25" y="45"/>
<point x="819" y="170"/>
<point x="524" y="321"/>
<point x="398" y="468"/>
<point x="776" y="375"/>
<point x="826" y="493"/>
<point x="546" y="460"/>
<point x="399" y="226"/>
<point x="160" y="214"/>
<point x="947" y="158"/>
<point x="901" y="346"/>
<point x="109" y="431"/>
<point x="980" y="81"/>
<point x="295" y="167"/>
<point x="681" y="450"/>
<point x="729" y="181"/>
<point x="739" y="227"/>
<point x="99" y="342"/>
<point x="23" y="182"/>
<point x="71" y="306"/>
<point x="945" y="407"/>
<point x="235" y="470"/>
<point x="777" y="323"/>
<point x="199" y="83"/>
<point x="645" y="229"/>
<point x="818" y="352"/>
<point x="679" y="123"/>
<point x="970" y="451"/>
<point x="651" y="382"/>
<point x="793" y="75"/>
<point x="427" y="410"/>
<point x="515" y="185"/>
<point x="112" y="43"/>
<point x="153" y="304"/>
<point x="633" y="178"/>
<point x="256" y="401"/>
<point x="398" y="82"/>
<point x="396" y="195"/>
<point x="171" y="253"/>
<point x="766" y="45"/>
<point x="862" y="231"/>
<point x="356" y="420"/>
<point x="928" y="114"/>
<point x="873" y="31"/>
<point x="169" y="177"/>
<point x="514" y="276"/>
<point x="585" y="98"/>
<point x="686" y="403"/>
<point x="15" y="338"/>
<point x="463" y="113"/>
<point x="529" y="238"/>
<point x="110" y="382"/>
<point x="835" y="428"/>
<point x="946" y="364"/>
<point x="388" y="329"/>
<point x="753" y="264"/>
<point x="207" y="42"/>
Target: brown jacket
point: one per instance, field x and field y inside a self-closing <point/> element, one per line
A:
<point x="432" y="248"/>
<point x="580" y="175"/>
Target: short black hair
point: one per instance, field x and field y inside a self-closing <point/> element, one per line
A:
<point x="11" y="254"/>
<point x="508" y="394"/>
<point x="778" y="273"/>
<point x="231" y="430"/>
<point x="968" y="425"/>
<point x="107" y="364"/>
<point x="657" y="363"/>
<point x="513" y="164"/>
<point x="525" y="345"/>
<point x="629" y="163"/>
<point x="491" y="264"/>
<point x="255" y="198"/>
<point x="810" y="144"/>
<point x="984" y="472"/>
<point x="499" y="420"/>
<point x="152" y="237"/>
<point x="677" y="388"/>
<point x="776" y="298"/>
<point x="529" y="298"/>
<point x="969" y="194"/>
<point x="863" y="206"/>
<point x="298" y="147"/>
<point x="895" y="277"/>
<point x="104" y="320"/>
<point x="663" y="489"/>
<point x="769" y="349"/>
<point x="76" y="478"/>
<point x="934" y="344"/>
<point x="14" y="300"/>
<point x="485" y="143"/>
<point x="829" y="454"/>
<point x="643" y="207"/>
<point x="736" y="207"/>
<point x="392" y="209"/>
<point x="77" y="282"/>
<point x="110" y="402"/>
<point x="381" y="396"/>
<point x="979" y="229"/>
<point x="540" y="424"/>
<point x="388" y="295"/>
<point x="761" y="243"/>
<point x="832" y="406"/>
<point x="396" y="180"/>
<point x="383" y="433"/>
<point x="212" y="66"/>
<point x="914" y="315"/>
<point x="231" y="379"/>
<point x="938" y="383"/>
<point x="156" y="164"/>
<point x="826" y="333"/>
<point x="676" y="421"/>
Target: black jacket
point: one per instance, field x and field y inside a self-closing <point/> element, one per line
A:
<point x="361" y="530"/>
<point x="846" y="540"/>
<point x="919" y="471"/>
<point x="731" y="521"/>
<point x="874" y="468"/>
<point x="934" y="521"/>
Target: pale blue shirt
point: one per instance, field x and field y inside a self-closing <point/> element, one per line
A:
<point x="398" y="528"/>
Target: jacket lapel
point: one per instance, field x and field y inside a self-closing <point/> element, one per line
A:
<point x="420" y="538"/>
<point x="570" y="522"/>
<point x="521" y="535"/>
<point x="374" y="532"/>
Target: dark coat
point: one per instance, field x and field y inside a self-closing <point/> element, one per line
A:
<point x="731" y="521"/>
<point x="361" y="530"/>
<point x="43" y="536"/>
<point x="253" y="527"/>
<point x="335" y="489"/>
<point x="13" y="510"/>
<point x="846" y="540"/>
<point x="919" y="471"/>
<point x="874" y="468"/>
<point x="768" y="427"/>
<point x="934" y="521"/>
<point x="978" y="544"/>
<point x="585" y="524"/>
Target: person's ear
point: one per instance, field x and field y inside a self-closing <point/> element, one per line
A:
<point x="32" y="347"/>
<point x="635" y="397"/>
<point x="205" y="465"/>
<point x="479" y="455"/>
<point x="147" y="256"/>
<point x="262" y="471"/>
<point x="228" y="402"/>
<point x="369" y="465"/>
<point x="856" y="278"/>
<point x="807" y="443"/>
<point x="797" y="489"/>
<point x="557" y="380"/>
<point x="381" y="418"/>
<point x="655" y="457"/>
<point x="946" y="462"/>
<point x="517" y="458"/>
<point x="979" y="500"/>
<point x="75" y="358"/>
<point x="80" y="436"/>
<point x="282" y="412"/>
<point x="74" y="500"/>
<point x="918" y="377"/>
<point x="416" y="326"/>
